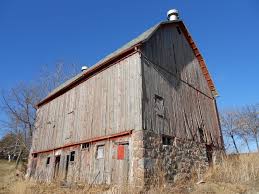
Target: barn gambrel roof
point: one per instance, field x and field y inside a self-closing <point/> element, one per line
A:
<point x="123" y="51"/>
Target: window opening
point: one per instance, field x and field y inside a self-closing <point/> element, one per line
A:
<point x="72" y="156"/>
<point x="121" y="152"/>
<point x="166" y="140"/>
<point x="178" y="30"/>
<point x="201" y="135"/>
<point x="159" y="105"/>
<point x="85" y="146"/>
<point x="100" y="152"/>
<point x="48" y="161"/>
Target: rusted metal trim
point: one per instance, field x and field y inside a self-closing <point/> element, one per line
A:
<point x="91" y="72"/>
<point x="92" y="140"/>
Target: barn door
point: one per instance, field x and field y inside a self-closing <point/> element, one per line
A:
<point x="209" y="152"/>
<point x="56" y="167"/>
<point x="120" y="170"/>
<point x="33" y="166"/>
<point x="85" y="174"/>
<point x="99" y="165"/>
<point x="66" y="167"/>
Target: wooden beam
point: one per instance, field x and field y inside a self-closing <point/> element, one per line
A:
<point x="92" y="140"/>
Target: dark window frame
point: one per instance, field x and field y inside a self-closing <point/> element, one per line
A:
<point x="72" y="156"/>
<point x="85" y="146"/>
<point x="48" y="161"/>
<point x="159" y="106"/>
<point x="201" y="133"/>
<point x="167" y="140"/>
<point x="178" y="30"/>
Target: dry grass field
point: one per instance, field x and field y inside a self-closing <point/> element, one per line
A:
<point x="236" y="174"/>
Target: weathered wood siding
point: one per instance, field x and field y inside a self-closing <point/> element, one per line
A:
<point x="107" y="103"/>
<point x="86" y="167"/>
<point x="176" y="98"/>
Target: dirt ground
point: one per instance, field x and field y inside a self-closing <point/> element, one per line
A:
<point x="12" y="182"/>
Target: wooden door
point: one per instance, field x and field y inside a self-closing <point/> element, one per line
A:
<point x="99" y="171"/>
<point x="85" y="173"/>
<point x="209" y="152"/>
<point x="120" y="170"/>
<point x="33" y="166"/>
<point x="66" y="166"/>
<point x="56" y="167"/>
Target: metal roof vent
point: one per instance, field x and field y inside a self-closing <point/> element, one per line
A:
<point x="172" y="15"/>
<point x="83" y="68"/>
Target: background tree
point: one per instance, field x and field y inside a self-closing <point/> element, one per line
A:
<point x="229" y="123"/>
<point x="243" y="130"/>
<point x="8" y="146"/>
<point x="250" y="115"/>
<point x="19" y="104"/>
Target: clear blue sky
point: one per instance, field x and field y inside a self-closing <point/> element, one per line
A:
<point x="33" y="33"/>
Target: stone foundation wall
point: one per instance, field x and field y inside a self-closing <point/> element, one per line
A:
<point x="152" y="161"/>
<point x="138" y="160"/>
<point x="168" y="163"/>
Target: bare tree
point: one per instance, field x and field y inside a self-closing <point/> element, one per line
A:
<point x="48" y="80"/>
<point x="19" y="105"/>
<point x="8" y="145"/>
<point x="229" y="122"/>
<point x="251" y="121"/>
<point x="243" y="130"/>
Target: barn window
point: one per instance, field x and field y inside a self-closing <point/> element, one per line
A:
<point x="100" y="152"/>
<point x="159" y="105"/>
<point x="166" y="140"/>
<point x="72" y="156"/>
<point x="120" y="152"/>
<point x="178" y="30"/>
<point x="35" y="155"/>
<point x="85" y="146"/>
<point x="201" y="134"/>
<point x="209" y="151"/>
<point x="48" y="160"/>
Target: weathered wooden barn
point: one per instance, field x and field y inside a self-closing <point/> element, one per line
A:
<point x="147" y="108"/>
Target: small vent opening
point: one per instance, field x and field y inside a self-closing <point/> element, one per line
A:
<point x="166" y="140"/>
<point x="85" y="146"/>
<point x="48" y="161"/>
<point x="178" y="30"/>
<point x="72" y="156"/>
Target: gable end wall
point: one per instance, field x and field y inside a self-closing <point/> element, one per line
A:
<point x="172" y="72"/>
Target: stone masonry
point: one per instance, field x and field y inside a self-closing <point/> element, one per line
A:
<point x="155" y="163"/>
